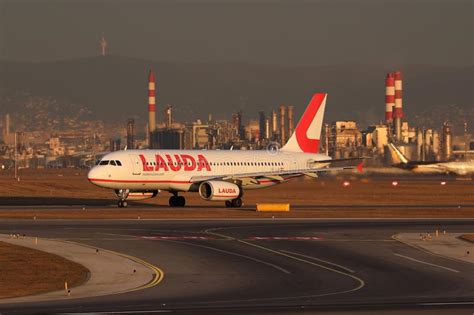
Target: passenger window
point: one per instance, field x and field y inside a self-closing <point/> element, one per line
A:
<point x="118" y="163"/>
<point x="113" y="163"/>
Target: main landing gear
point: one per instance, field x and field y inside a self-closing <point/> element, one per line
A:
<point x="177" y="201"/>
<point x="234" y="203"/>
<point x="122" y="204"/>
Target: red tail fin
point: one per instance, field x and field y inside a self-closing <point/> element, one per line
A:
<point x="307" y="133"/>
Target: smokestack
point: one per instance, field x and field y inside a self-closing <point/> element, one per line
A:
<point x="291" y="110"/>
<point x="398" y="95"/>
<point x="130" y="134"/>
<point x="282" y="124"/>
<point x="274" y="122"/>
<point x="327" y="132"/>
<point x="419" y="143"/>
<point x="398" y="113"/>
<point x="267" y="128"/>
<point x="151" y="105"/>
<point x="447" y="141"/>
<point x="389" y="97"/>
<point x="7" y="125"/>
<point x="428" y="143"/>
<point x="237" y="121"/>
<point x="436" y="145"/>
<point x="261" y="125"/>
<point x="169" y="116"/>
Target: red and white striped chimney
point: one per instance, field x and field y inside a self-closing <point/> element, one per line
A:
<point x="389" y="97"/>
<point x="398" y="113"/>
<point x="398" y="95"/>
<point x="151" y="103"/>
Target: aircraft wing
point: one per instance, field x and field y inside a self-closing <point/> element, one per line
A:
<point x="339" y="160"/>
<point x="279" y="176"/>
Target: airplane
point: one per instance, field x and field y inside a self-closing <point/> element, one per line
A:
<point x="216" y="175"/>
<point x="455" y="167"/>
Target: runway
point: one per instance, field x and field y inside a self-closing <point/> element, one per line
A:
<point x="269" y="266"/>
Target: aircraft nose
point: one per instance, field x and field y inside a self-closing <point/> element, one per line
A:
<point x="93" y="174"/>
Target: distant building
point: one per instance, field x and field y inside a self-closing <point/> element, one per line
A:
<point x="376" y="137"/>
<point x="168" y="138"/>
<point x="345" y="139"/>
<point x="252" y="131"/>
<point x="196" y="136"/>
<point x="114" y="144"/>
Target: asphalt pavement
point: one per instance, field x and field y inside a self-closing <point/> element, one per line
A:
<point x="269" y="266"/>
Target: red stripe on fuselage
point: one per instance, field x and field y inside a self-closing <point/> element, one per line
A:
<point x="137" y="181"/>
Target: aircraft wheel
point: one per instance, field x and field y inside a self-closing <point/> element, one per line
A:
<point x="180" y="201"/>
<point x="237" y="203"/>
<point x="228" y="204"/>
<point x="124" y="204"/>
<point x="120" y="204"/>
<point x="173" y="201"/>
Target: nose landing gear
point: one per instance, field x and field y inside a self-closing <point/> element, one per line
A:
<point x="122" y="194"/>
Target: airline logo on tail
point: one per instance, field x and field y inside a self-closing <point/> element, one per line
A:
<point x="307" y="134"/>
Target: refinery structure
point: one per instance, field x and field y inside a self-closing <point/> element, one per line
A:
<point x="269" y="130"/>
<point x="343" y="139"/>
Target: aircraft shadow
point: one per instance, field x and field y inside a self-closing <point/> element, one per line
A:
<point x="53" y="201"/>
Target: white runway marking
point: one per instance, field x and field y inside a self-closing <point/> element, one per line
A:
<point x="446" y="303"/>
<point x="234" y="254"/>
<point x="426" y="263"/>
<point x="320" y="260"/>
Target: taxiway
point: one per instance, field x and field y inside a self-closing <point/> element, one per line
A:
<point x="268" y="266"/>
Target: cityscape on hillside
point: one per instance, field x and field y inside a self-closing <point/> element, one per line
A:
<point x="51" y="134"/>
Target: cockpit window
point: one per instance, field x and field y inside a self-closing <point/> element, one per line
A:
<point x="104" y="162"/>
<point x="113" y="163"/>
<point x="118" y="163"/>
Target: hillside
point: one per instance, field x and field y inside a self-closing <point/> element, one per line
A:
<point x="114" y="87"/>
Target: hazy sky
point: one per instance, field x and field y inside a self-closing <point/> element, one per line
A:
<point x="278" y="32"/>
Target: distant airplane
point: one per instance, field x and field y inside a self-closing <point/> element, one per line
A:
<point x="458" y="168"/>
<point x="217" y="175"/>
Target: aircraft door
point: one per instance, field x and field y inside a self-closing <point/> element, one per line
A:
<point x="136" y="164"/>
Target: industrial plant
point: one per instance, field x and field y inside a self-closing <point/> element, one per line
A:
<point x="81" y="146"/>
<point x="343" y="139"/>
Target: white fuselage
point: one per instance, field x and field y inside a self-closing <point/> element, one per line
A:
<point x="459" y="168"/>
<point x="174" y="170"/>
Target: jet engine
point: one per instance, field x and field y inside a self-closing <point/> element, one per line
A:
<point x="215" y="190"/>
